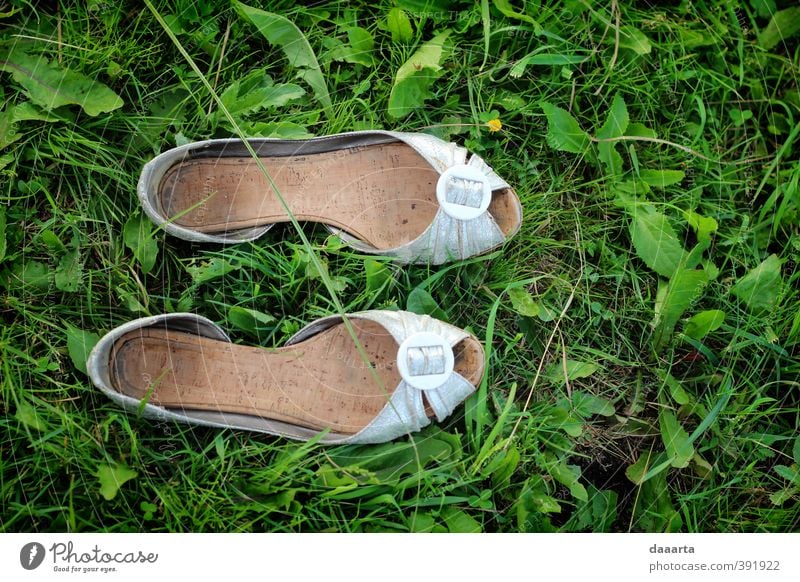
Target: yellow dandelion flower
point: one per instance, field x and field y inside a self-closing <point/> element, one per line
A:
<point x="494" y="125"/>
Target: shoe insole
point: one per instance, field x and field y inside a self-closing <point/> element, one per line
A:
<point x="319" y="383"/>
<point x="383" y="194"/>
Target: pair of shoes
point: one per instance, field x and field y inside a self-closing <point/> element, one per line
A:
<point x="367" y="378"/>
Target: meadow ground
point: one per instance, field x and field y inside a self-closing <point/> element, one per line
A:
<point x="642" y="328"/>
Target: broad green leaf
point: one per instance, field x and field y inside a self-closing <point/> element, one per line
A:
<point x="257" y="91"/>
<point x="547" y="312"/>
<point x="796" y="450"/>
<point x="570" y="370"/>
<point x="676" y="440"/>
<point x="29" y="112"/>
<point x="149" y="510"/>
<point x="388" y="463"/>
<point x="414" y="78"/>
<point x="249" y="320"/>
<point x="459" y="522"/>
<point x="169" y="107"/>
<point x="534" y="498"/>
<point x="661" y="178"/>
<point x="764" y="8"/>
<point x="283" y="33"/>
<point x="503" y="470"/>
<point x="588" y="404"/>
<point x="212" y="269"/>
<point x="784" y="24"/>
<point x="654" y="510"/>
<point x="640" y="130"/>
<point x="791" y="474"/>
<point x="702" y="467"/>
<point x="691" y="38"/>
<point x="739" y="116"/>
<point x="673" y="299"/>
<point x="711" y="270"/>
<point x="69" y="273"/>
<point x="695" y="257"/>
<point x="628" y="194"/>
<point x="782" y="496"/>
<point x="138" y="236"/>
<point x="314" y="271"/>
<point x="563" y="132"/>
<point x="282" y="501"/>
<point x="544" y="59"/>
<point x="278" y="129"/>
<point x="13" y="114"/>
<point x="649" y="467"/>
<point x="544" y="503"/>
<point x="635" y="40"/>
<point x="421" y="302"/>
<point x="2" y="233"/>
<point x="598" y="513"/>
<point x="655" y="240"/>
<point x="703" y="323"/>
<point x="568" y="476"/>
<point x="637" y="471"/>
<point x="377" y="274"/>
<point x="676" y="390"/>
<point x="133" y="304"/>
<point x="31" y="274"/>
<point x="562" y="417"/>
<point x="362" y="44"/>
<point x="8" y="127"/>
<point x="79" y="344"/>
<point x="423" y="523"/>
<point x="52" y="241"/>
<point x="761" y="287"/>
<point x="778" y="124"/>
<point x="399" y="25"/>
<point x="50" y="86"/>
<point x="615" y="126"/>
<point x="28" y="416"/>
<point x="112" y="478"/>
<point x="523" y="303"/>
<point x="616" y="123"/>
<point x="509" y="101"/>
<point x="703" y="226"/>
<point x="415" y="7"/>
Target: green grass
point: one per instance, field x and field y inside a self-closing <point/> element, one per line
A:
<point x="594" y="415"/>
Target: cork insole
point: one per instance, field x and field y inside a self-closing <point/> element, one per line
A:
<point x="383" y="194"/>
<point x="319" y="383"/>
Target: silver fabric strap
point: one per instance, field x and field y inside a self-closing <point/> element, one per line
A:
<point x="446" y="238"/>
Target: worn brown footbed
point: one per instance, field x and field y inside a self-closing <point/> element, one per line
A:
<point x="383" y="194"/>
<point x="319" y="383"/>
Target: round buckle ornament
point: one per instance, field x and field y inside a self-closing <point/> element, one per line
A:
<point x="463" y="192"/>
<point x="425" y="360"/>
